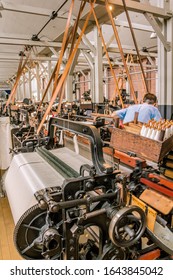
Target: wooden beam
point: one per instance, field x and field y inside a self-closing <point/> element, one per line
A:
<point x="139" y="7"/>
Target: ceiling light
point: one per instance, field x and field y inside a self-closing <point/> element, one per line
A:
<point x="110" y="8"/>
<point x="153" y="35"/>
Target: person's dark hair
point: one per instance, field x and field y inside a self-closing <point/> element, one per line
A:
<point x="150" y="98"/>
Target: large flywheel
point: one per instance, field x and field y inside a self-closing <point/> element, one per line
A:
<point x="38" y="234"/>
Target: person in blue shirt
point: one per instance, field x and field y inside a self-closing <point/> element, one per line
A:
<point x="146" y="111"/>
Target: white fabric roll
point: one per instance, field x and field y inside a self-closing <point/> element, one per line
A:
<point x="5" y="143"/>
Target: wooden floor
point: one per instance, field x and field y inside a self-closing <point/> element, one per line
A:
<point x="7" y="248"/>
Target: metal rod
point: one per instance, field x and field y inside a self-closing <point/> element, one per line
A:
<point x="94" y="213"/>
<point x="84" y="201"/>
<point x="51" y="17"/>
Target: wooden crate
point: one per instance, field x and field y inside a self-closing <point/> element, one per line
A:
<point x="146" y="148"/>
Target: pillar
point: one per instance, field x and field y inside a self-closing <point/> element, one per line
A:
<point x="165" y="69"/>
<point x="98" y="69"/>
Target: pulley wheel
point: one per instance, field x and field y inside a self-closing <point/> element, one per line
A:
<point x="30" y="231"/>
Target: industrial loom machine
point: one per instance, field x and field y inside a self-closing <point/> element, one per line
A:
<point x="66" y="206"/>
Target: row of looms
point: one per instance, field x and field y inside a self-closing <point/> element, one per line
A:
<point x="80" y="184"/>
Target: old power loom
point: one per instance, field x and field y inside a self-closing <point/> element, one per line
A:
<point x="68" y="207"/>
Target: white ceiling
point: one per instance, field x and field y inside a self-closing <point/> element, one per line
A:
<point x="20" y="25"/>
